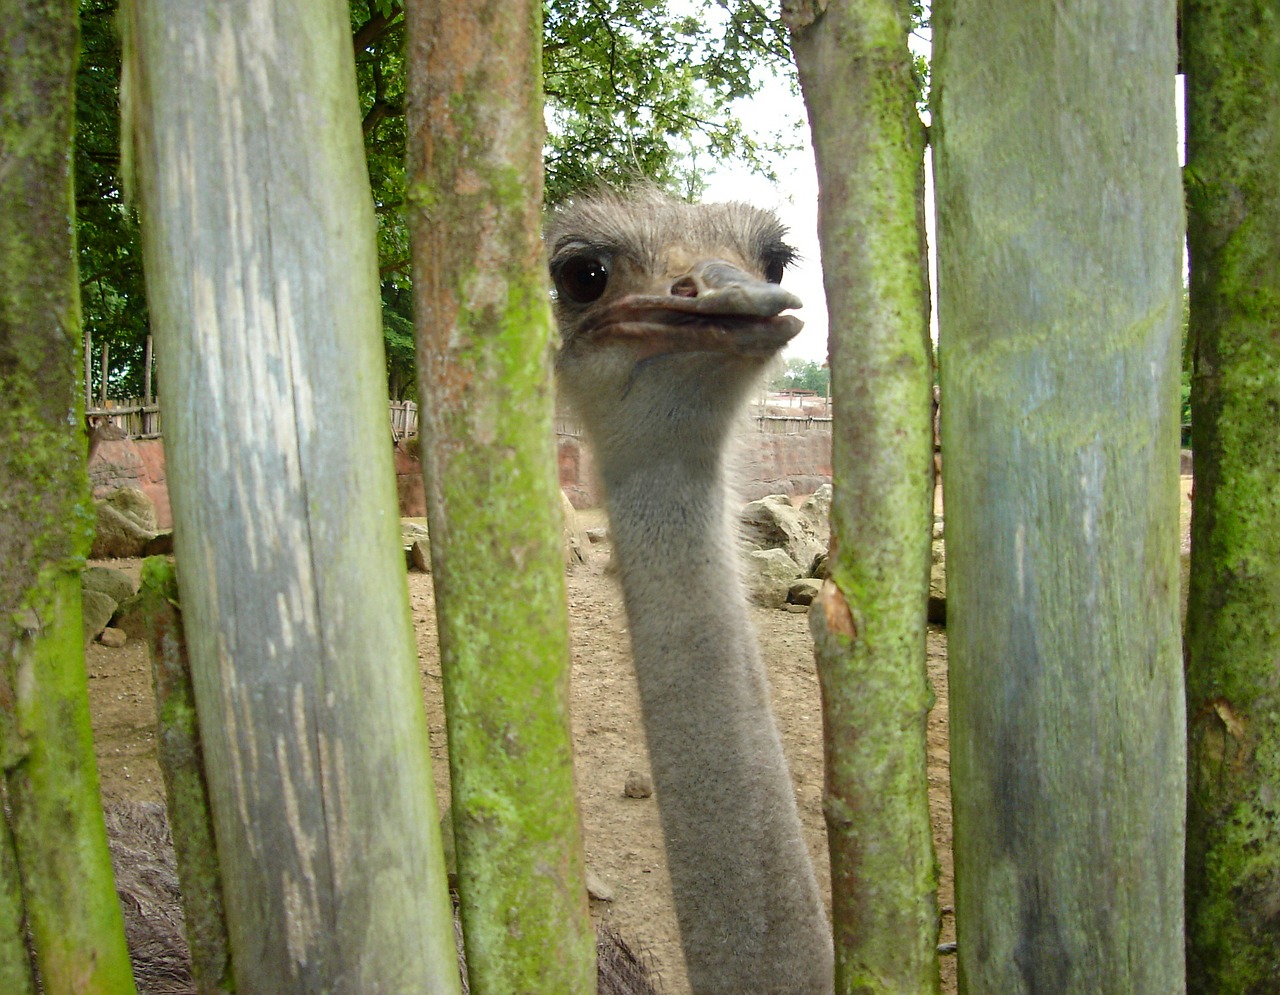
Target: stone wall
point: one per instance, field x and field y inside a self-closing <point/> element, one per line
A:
<point x="133" y="463"/>
<point x="763" y="463"/>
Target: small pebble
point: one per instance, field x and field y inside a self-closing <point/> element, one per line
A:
<point x="115" y="638"/>
<point x="638" y="785"/>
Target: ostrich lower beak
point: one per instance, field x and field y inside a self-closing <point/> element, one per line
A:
<point x="716" y="307"/>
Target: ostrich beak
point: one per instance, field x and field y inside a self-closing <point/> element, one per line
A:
<point x="714" y="307"/>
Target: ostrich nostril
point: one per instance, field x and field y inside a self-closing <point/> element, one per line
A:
<point x="684" y="287"/>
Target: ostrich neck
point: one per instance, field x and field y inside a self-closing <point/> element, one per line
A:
<point x="751" y="917"/>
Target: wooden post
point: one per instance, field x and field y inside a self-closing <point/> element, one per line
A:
<point x="88" y="368"/>
<point x="146" y="374"/>
<point x="484" y="356"/>
<point x="869" y="623"/>
<point x="258" y="237"/>
<point x="1060" y="248"/>
<point x="106" y="366"/>
<point x="1231" y="54"/>
<point x="57" y="897"/>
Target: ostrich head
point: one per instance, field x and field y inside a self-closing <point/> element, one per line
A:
<point x="657" y="299"/>
<point x="668" y="314"/>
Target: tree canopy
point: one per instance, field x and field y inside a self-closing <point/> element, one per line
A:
<point x="803" y="374"/>
<point x="634" y="89"/>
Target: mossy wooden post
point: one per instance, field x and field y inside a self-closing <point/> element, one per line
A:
<point x="1231" y="55"/>
<point x="186" y="790"/>
<point x="54" y="865"/>
<point x="484" y="358"/>
<point x="869" y="624"/>
<point x="1060" y="238"/>
<point x="258" y="236"/>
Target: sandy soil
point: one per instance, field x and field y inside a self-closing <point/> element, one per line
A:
<point x="623" y="839"/>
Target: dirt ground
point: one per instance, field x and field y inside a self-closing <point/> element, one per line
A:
<point x="623" y="838"/>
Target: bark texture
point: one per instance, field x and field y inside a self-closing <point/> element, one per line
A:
<point x="258" y="237"/>
<point x="1060" y="235"/>
<point x="1231" y="54"/>
<point x="186" y="791"/>
<point x="55" y="869"/>
<point x="869" y="624"/>
<point x="484" y="358"/>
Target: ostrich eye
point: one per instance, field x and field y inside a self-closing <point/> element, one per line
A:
<point x="776" y="263"/>
<point x="582" y="278"/>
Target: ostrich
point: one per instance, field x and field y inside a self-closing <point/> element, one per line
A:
<point x="668" y="315"/>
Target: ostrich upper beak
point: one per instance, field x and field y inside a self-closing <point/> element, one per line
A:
<point x="714" y="307"/>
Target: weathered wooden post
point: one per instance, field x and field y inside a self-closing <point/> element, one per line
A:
<point x="1231" y="54"/>
<point x="56" y="889"/>
<point x="258" y="235"/>
<point x="869" y="624"/>
<point x="1060" y="244"/>
<point x="484" y="359"/>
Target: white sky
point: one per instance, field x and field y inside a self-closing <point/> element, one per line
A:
<point x="795" y="199"/>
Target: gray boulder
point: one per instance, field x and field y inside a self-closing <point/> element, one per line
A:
<point x="804" y="591"/>
<point x="97" y="609"/>
<point x="134" y="504"/>
<point x="768" y="576"/>
<point x="938" y="581"/>
<point x="114" y="583"/>
<point x="119" y="533"/>
<point x="772" y="523"/>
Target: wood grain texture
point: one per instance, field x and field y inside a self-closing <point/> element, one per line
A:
<point x="869" y="623"/>
<point x="258" y="235"/>
<point x="1059" y="250"/>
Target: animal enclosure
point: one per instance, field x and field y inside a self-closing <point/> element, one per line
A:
<point x="1060" y="229"/>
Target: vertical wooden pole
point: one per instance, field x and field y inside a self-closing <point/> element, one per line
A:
<point x="1060" y="245"/>
<point x="106" y="367"/>
<point x="258" y="237"/>
<point x="484" y="356"/>
<point x="1231" y="54"/>
<point x="56" y="888"/>
<point x="869" y="623"/>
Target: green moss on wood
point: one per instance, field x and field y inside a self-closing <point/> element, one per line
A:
<point x="484" y="355"/>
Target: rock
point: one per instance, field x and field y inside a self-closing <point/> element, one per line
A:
<point x="937" y="611"/>
<point x="597" y="889"/>
<point x="769" y="573"/>
<point x="772" y="523"/>
<point x="420" y="555"/>
<point x="116" y="534"/>
<point x="134" y="504"/>
<point x="115" y="638"/>
<point x="416" y="541"/>
<point x="116" y="584"/>
<point x="816" y="511"/>
<point x="598" y="534"/>
<point x="804" y="591"/>
<point x="160" y="544"/>
<point x="97" y="609"/>
<point x="129" y="618"/>
<point x="573" y="541"/>
<point x="819" y="569"/>
<point x="639" y="785"/>
<point x="796" y="609"/>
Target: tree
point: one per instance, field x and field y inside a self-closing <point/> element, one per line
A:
<point x="1231" y="54"/>
<point x="1060" y="235"/>
<point x="484" y="349"/>
<point x="635" y="90"/>
<point x="262" y="270"/>
<point x="55" y="871"/>
<point x="803" y="374"/>
<point x="110" y="261"/>
<point x="869" y="623"/>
